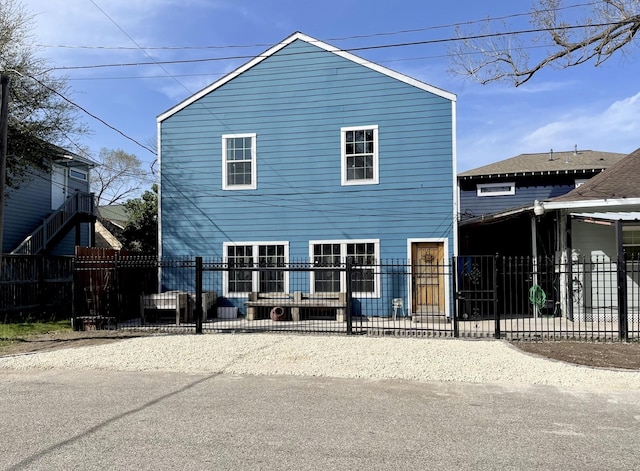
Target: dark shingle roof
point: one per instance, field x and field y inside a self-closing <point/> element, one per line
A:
<point x="621" y="180"/>
<point x="570" y="162"/>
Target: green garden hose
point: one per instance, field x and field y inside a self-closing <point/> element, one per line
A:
<point x="537" y="297"/>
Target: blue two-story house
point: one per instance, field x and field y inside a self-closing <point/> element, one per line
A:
<point x="308" y="152"/>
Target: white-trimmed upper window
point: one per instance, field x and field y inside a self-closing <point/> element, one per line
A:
<point x="244" y="260"/>
<point x="78" y="174"/>
<point x="496" y="189"/>
<point x="239" y="162"/>
<point x="359" y="155"/>
<point x="363" y="255"/>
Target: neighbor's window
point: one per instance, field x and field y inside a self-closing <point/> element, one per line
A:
<point x="245" y="260"/>
<point x="496" y="189"/>
<point x="360" y="155"/>
<point x="362" y="255"/>
<point x="239" y="162"/>
<point x="631" y="242"/>
<point x="78" y="174"/>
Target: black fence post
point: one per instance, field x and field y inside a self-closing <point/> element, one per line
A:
<point x="623" y="326"/>
<point x="498" y="332"/>
<point x="198" y="308"/>
<point x="456" y="303"/>
<point x="349" y="274"/>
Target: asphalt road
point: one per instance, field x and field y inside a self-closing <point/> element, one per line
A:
<point x="67" y="420"/>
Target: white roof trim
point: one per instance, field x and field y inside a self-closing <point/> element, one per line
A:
<point x="610" y="216"/>
<point x="315" y="42"/>
<point x="604" y="203"/>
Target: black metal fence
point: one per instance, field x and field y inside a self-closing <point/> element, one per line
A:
<point x="35" y="287"/>
<point x="515" y="297"/>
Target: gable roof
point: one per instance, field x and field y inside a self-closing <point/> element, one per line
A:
<point x="322" y="45"/>
<point x="620" y="181"/>
<point x="547" y="163"/>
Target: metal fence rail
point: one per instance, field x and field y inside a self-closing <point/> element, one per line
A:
<point x="498" y="297"/>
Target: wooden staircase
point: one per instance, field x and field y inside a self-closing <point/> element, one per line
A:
<point x="77" y="208"/>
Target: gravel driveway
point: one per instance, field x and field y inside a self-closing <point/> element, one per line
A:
<point x="474" y="361"/>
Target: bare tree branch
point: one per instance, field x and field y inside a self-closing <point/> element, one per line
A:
<point x="118" y="177"/>
<point x="609" y="28"/>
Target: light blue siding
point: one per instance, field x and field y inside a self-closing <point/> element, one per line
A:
<point x="29" y="205"/>
<point x="296" y="101"/>
<point x="25" y="209"/>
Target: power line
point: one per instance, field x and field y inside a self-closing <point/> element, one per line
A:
<point x="353" y="49"/>
<point x="342" y="38"/>
<point x="97" y="118"/>
<point x="140" y="47"/>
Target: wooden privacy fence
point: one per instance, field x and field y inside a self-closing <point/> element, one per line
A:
<point x="35" y="287"/>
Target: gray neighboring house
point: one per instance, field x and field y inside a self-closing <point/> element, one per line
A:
<point x="496" y="200"/>
<point x="51" y="212"/>
<point x="598" y="230"/>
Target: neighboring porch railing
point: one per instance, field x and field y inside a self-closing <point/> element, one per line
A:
<point x="77" y="207"/>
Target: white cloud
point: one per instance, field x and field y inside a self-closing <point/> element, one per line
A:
<point x="491" y="135"/>
<point x="616" y="128"/>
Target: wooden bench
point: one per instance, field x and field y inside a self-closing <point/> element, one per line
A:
<point x="175" y="301"/>
<point x="181" y="302"/>
<point x="296" y="301"/>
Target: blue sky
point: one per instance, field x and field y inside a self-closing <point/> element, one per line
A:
<point x="593" y="108"/>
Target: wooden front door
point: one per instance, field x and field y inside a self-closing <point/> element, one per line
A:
<point x="428" y="269"/>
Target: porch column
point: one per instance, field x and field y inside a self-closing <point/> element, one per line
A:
<point x="534" y="254"/>
<point x="623" y="326"/>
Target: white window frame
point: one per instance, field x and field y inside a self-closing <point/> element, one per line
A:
<point x="84" y="173"/>
<point x="254" y="168"/>
<point x="625" y="245"/>
<point x="482" y="186"/>
<point x="255" y="280"/>
<point x="343" y="152"/>
<point x="343" y="259"/>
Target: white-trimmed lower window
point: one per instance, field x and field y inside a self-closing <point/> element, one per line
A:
<point x="496" y="189"/>
<point x="245" y="259"/>
<point x="359" y="155"/>
<point x="239" y="162"/>
<point x="363" y="256"/>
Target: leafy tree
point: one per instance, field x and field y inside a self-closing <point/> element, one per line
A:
<point x="141" y="231"/>
<point x="38" y="115"/>
<point x="117" y="176"/>
<point x="609" y="28"/>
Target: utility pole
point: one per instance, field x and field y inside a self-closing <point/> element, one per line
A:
<point x="4" y="125"/>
